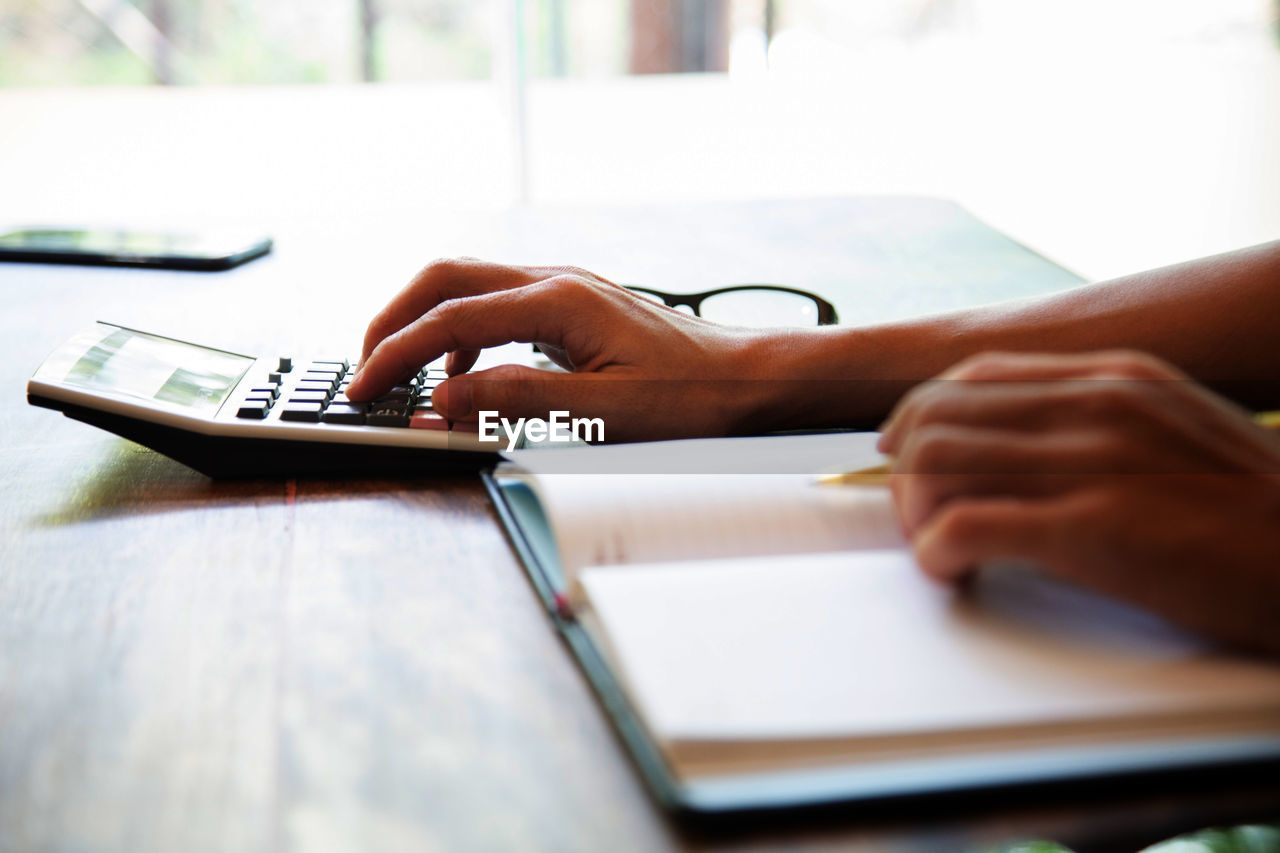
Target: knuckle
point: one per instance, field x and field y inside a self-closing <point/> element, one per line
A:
<point x="981" y="366"/>
<point x="910" y="400"/>
<point x="957" y="525"/>
<point x="1110" y="400"/>
<point x="568" y="282"/>
<point x="451" y="315"/>
<point x="931" y="448"/>
<point x="379" y="325"/>
<point x="1132" y="364"/>
<point x="925" y="403"/>
<point x="452" y="311"/>
<point x="567" y="289"/>
<point x="443" y="268"/>
<point x="577" y="272"/>
<point x="936" y="401"/>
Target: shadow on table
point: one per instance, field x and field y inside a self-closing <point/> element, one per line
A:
<point x="130" y="480"/>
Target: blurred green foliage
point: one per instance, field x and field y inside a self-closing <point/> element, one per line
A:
<point x="1239" y="839"/>
<point x="1253" y="838"/>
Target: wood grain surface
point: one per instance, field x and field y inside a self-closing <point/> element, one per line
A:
<point x="351" y="665"/>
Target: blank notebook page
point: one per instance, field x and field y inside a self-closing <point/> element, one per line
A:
<point x="852" y="644"/>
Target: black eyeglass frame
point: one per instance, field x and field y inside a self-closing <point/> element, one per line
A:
<point x="693" y="301"/>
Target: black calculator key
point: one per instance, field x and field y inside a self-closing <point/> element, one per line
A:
<point x="340" y="414"/>
<point x="254" y="409"/>
<point x="309" y="397"/>
<point x="312" y="385"/>
<point x="270" y="389"/>
<point x="330" y="379"/>
<point x="388" y="416"/>
<point x="286" y="364"/>
<point x="259" y="398"/>
<point x="275" y="377"/>
<point x="402" y="398"/>
<point x="308" y="412"/>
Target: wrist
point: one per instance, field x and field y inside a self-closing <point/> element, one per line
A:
<point x="839" y="376"/>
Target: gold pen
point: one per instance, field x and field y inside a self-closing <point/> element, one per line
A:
<point x="878" y="475"/>
<point x="875" y="475"/>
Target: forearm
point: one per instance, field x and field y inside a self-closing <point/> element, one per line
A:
<point x="1217" y="318"/>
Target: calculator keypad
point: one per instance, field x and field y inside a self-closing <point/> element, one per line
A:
<point x="315" y="393"/>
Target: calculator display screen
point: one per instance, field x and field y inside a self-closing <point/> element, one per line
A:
<point x="134" y="364"/>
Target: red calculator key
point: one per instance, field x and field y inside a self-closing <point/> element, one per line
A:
<point x="428" y="421"/>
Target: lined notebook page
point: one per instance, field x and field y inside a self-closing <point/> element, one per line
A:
<point x="653" y="518"/>
<point x="615" y="515"/>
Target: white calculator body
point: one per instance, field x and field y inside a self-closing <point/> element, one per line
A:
<point x="232" y="415"/>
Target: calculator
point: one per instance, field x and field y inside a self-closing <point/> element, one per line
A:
<point x="231" y="415"/>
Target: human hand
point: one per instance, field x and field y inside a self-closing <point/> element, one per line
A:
<point x="1110" y="469"/>
<point x="647" y="370"/>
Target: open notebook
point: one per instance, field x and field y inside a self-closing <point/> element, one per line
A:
<point x="761" y="641"/>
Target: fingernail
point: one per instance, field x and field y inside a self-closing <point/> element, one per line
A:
<point x="452" y="398"/>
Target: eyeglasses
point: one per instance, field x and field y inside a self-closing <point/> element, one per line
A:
<point x="755" y="305"/>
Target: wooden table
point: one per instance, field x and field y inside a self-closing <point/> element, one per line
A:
<point x="310" y="665"/>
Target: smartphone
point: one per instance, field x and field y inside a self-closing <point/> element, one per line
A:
<point x="102" y="246"/>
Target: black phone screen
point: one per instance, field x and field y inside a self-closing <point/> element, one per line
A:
<point x="133" y="248"/>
